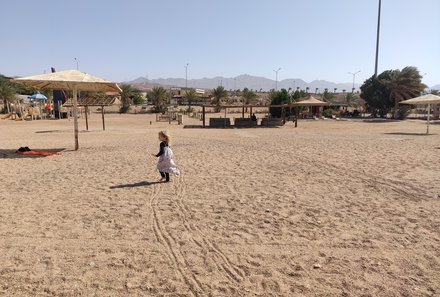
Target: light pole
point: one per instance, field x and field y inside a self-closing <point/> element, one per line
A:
<point x="186" y="75"/>
<point x="354" y="75"/>
<point x="76" y="63"/>
<point x="377" y="40"/>
<point x="276" y="78"/>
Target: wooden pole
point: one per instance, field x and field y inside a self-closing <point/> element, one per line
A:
<point x="296" y="116"/>
<point x="242" y="112"/>
<point x="283" y="114"/>
<point x="75" y="116"/>
<point x="224" y="122"/>
<point x="203" y="116"/>
<point x="429" y="113"/>
<point x="103" y="121"/>
<point x="87" y="120"/>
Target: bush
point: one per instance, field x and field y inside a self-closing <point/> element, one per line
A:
<point x="138" y="99"/>
<point x="328" y="113"/>
<point x="403" y="112"/>
<point x="124" y="109"/>
<point x="160" y="109"/>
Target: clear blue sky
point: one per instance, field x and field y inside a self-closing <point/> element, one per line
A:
<point x="309" y="39"/>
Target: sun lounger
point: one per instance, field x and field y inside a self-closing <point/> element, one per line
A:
<point x="219" y="122"/>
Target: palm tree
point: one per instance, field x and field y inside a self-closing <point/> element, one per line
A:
<point x="7" y="91"/>
<point x="403" y="84"/>
<point x="219" y="93"/>
<point x="249" y="96"/>
<point x="159" y="96"/>
<point x="190" y="96"/>
<point x="349" y="97"/>
<point x="128" y="92"/>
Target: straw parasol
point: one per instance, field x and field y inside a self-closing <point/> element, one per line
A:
<point x="311" y="101"/>
<point x="425" y="99"/>
<point x="69" y="80"/>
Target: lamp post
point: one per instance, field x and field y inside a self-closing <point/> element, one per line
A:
<point x="377" y="40"/>
<point x="76" y="63"/>
<point x="354" y="75"/>
<point x="276" y="78"/>
<point x="186" y="75"/>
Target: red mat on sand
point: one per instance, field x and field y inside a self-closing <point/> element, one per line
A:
<point x="38" y="153"/>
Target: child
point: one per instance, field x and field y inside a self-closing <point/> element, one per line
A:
<point x="165" y="163"/>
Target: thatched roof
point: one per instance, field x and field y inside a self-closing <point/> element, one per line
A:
<point x="89" y="101"/>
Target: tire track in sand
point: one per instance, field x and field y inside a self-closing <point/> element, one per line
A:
<point x="171" y="248"/>
<point x="223" y="264"/>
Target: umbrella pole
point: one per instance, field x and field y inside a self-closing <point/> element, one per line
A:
<point x="87" y="120"/>
<point x="429" y="113"/>
<point x="75" y="116"/>
<point x="103" y="121"/>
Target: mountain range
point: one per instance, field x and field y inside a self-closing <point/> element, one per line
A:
<point x="241" y="82"/>
<point x="245" y="81"/>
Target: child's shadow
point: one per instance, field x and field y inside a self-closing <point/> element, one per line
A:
<point x="139" y="184"/>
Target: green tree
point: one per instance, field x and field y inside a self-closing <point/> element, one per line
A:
<point x="219" y="93"/>
<point x="138" y="99"/>
<point x="127" y="94"/>
<point x="7" y="91"/>
<point x="278" y="98"/>
<point x="249" y="97"/>
<point x="376" y="95"/>
<point x="159" y="96"/>
<point x="191" y="96"/>
<point x="327" y="95"/>
<point x="349" y="97"/>
<point x="384" y="92"/>
<point x="298" y="94"/>
<point x="403" y="84"/>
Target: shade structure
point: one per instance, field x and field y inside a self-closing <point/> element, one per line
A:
<point x="424" y="99"/>
<point x="70" y="80"/>
<point x="311" y="101"/>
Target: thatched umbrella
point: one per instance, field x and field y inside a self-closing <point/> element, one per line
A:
<point x="69" y="80"/>
<point x="311" y="101"/>
<point x="425" y="99"/>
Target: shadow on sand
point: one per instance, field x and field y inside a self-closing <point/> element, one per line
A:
<point x="409" y="134"/>
<point x="139" y="184"/>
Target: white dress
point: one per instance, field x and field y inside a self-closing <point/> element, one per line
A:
<point x="165" y="163"/>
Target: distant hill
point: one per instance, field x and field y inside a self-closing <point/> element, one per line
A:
<point x="436" y="87"/>
<point x="240" y="82"/>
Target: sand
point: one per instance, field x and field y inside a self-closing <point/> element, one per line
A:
<point x="331" y="208"/>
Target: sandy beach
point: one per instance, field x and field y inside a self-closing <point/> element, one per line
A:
<point x="331" y="208"/>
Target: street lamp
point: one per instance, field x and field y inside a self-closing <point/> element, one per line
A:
<point x="377" y="40"/>
<point x="276" y="78"/>
<point x="76" y="63"/>
<point x="354" y="75"/>
<point x="186" y="75"/>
